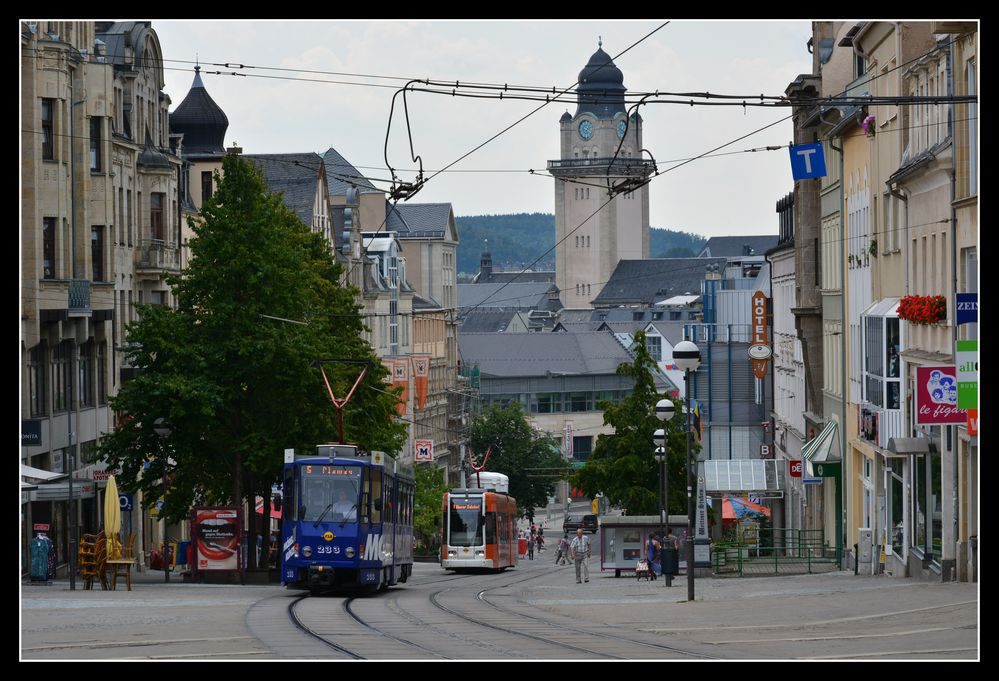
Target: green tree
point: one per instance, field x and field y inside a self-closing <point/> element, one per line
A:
<point x="533" y="464"/>
<point x="428" y="503"/>
<point x="623" y="464"/>
<point x="235" y="386"/>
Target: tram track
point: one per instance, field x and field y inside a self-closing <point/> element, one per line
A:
<point x="481" y="597"/>
<point x="322" y="639"/>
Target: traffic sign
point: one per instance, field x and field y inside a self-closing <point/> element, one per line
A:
<point x="807" y="161"/>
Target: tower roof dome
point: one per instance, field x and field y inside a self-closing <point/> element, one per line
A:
<point x="202" y="121"/>
<point x="600" y="89"/>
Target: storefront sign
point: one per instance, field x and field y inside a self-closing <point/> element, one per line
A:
<point x="967" y="308"/>
<point x="31" y="433"/>
<point x="966" y="353"/>
<point x="973" y="422"/>
<point x="794" y="467"/>
<point x="826" y="469"/>
<point x="760" y="350"/>
<point x="424" y="450"/>
<point x="936" y="397"/>
<point x="40" y="527"/>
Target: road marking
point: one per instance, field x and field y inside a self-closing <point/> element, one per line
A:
<point x="812" y="624"/>
<point x="125" y="644"/>
<point x="834" y="638"/>
<point x="856" y="656"/>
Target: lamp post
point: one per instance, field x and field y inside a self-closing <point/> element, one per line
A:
<point x="664" y="412"/>
<point x="688" y="357"/>
<point x="161" y="428"/>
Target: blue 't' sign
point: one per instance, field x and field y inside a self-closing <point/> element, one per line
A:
<point x="807" y="162"/>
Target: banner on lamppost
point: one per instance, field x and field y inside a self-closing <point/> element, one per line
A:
<point x="400" y="379"/>
<point x="421" y="378"/>
<point x="966" y="353"/>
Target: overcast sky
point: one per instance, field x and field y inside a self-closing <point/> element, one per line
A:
<point x="732" y="194"/>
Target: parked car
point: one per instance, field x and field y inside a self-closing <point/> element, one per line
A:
<point x="572" y="523"/>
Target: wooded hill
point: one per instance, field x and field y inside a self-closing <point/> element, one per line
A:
<point x="517" y="240"/>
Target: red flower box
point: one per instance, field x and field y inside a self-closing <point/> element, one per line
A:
<point x="923" y="309"/>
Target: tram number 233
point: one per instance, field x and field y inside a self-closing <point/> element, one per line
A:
<point x="326" y="549"/>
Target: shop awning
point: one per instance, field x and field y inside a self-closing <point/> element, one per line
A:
<point x="744" y="475"/>
<point x="820" y="448"/>
<point x="39" y="474"/>
<point x="905" y="446"/>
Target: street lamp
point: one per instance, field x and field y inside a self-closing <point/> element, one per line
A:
<point x="688" y="357"/>
<point x="161" y="428"/>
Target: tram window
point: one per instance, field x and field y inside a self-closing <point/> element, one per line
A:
<point x="376" y="496"/>
<point x="366" y="496"/>
<point x="490" y="528"/>
<point x="291" y="508"/>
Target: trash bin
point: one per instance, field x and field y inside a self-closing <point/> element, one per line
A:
<point x="671" y="562"/>
<point x="522" y="547"/>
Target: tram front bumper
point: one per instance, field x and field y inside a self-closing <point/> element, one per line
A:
<point x="320" y="576"/>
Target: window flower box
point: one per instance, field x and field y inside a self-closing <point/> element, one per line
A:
<point x="923" y="309"/>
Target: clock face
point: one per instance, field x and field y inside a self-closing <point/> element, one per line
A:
<point x="621" y="128"/>
<point x="586" y="130"/>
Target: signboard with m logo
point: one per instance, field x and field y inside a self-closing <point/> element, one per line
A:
<point x="424" y="450"/>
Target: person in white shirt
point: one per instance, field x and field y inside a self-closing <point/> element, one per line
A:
<point x="579" y="551"/>
<point x="344" y="508"/>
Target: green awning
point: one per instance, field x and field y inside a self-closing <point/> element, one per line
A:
<point x="820" y="448"/>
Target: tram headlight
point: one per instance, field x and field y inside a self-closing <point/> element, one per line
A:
<point x="452" y="554"/>
<point x="306" y="551"/>
<point x="350" y="552"/>
<point x="480" y="554"/>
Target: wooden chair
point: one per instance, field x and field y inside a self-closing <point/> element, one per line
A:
<point x="87" y="560"/>
<point x="124" y="563"/>
<point x="101" y="553"/>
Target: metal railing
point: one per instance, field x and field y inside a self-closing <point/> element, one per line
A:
<point x="776" y="551"/>
<point x="159" y="254"/>
<point x="79" y="296"/>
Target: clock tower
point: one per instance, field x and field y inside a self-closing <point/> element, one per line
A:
<point x="591" y="240"/>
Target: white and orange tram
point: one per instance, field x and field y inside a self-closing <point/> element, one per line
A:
<point x="480" y="525"/>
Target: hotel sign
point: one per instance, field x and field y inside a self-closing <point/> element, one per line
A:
<point x="759" y="351"/>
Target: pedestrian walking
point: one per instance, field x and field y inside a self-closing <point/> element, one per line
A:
<point x="653" y="553"/>
<point x="530" y="547"/>
<point x="579" y="551"/>
<point x="563" y="545"/>
<point x="670" y="556"/>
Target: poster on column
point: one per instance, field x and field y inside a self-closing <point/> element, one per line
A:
<point x="217" y="539"/>
<point x="936" y="397"/>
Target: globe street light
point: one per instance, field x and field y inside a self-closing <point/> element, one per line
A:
<point x="161" y="428"/>
<point x="688" y="357"/>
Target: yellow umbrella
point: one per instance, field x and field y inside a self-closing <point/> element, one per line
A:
<point x="112" y="519"/>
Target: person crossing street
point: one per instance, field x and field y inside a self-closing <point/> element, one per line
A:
<point x="579" y="551"/>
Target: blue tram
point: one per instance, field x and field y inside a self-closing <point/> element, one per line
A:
<point x="347" y="520"/>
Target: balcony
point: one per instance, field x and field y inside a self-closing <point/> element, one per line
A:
<point x="156" y="254"/>
<point x="79" y="298"/>
<point x="634" y="167"/>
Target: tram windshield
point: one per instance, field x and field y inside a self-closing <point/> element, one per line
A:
<point x="330" y="492"/>
<point x="465" y="522"/>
